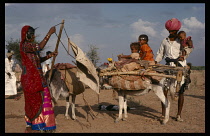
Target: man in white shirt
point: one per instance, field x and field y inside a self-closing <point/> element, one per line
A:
<point x="10" y="78"/>
<point x="46" y="64"/>
<point x="170" y="49"/>
<point x="18" y="72"/>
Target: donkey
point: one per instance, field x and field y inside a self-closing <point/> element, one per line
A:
<point x="157" y="88"/>
<point x="58" y="87"/>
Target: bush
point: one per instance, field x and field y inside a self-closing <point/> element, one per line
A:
<point x="198" y="68"/>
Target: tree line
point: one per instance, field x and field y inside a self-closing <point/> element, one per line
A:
<point x="14" y="45"/>
<point x="198" y="67"/>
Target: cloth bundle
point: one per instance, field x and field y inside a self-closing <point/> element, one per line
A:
<point x="129" y="82"/>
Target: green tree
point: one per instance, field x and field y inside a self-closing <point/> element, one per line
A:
<point x="14" y="45"/>
<point x="92" y="54"/>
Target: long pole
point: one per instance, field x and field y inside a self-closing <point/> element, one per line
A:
<point x="135" y="73"/>
<point x="56" y="48"/>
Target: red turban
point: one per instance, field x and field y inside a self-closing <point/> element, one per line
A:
<point x="173" y="24"/>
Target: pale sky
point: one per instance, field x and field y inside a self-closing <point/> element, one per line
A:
<point x="111" y="27"/>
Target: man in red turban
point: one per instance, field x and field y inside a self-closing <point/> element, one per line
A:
<point x="170" y="49"/>
<point x="173" y="24"/>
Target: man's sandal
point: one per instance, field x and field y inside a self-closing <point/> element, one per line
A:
<point x="17" y="98"/>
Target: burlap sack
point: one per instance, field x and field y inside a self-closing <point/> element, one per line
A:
<point x="126" y="82"/>
<point x="74" y="85"/>
<point x="131" y="66"/>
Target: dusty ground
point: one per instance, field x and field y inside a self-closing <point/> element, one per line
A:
<point x="144" y="119"/>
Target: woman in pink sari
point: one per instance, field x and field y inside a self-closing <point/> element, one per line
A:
<point x="39" y="112"/>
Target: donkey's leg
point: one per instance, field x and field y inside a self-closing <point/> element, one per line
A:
<point x="67" y="108"/>
<point x="121" y="104"/>
<point x="125" y="107"/>
<point x="73" y="107"/>
<point x="165" y="90"/>
<point x="158" y="90"/>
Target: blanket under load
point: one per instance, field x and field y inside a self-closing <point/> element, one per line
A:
<point x="129" y="82"/>
<point x="139" y="74"/>
<point x="68" y="74"/>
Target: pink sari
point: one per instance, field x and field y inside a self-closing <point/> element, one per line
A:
<point x="46" y="119"/>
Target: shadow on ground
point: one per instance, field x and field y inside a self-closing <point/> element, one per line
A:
<point x="195" y="96"/>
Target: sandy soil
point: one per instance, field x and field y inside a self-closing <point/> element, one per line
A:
<point x="143" y="119"/>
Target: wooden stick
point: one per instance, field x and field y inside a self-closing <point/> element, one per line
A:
<point x="69" y="45"/>
<point x="157" y="66"/>
<point x="73" y="45"/>
<point x="56" y="48"/>
<point x="135" y="73"/>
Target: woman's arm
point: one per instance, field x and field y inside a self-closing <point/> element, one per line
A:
<point x="33" y="47"/>
<point x="42" y="59"/>
<point x="47" y="37"/>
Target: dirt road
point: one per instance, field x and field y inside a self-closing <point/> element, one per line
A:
<point x="143" y="119"/>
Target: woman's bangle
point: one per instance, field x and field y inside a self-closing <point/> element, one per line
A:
<point x="47" y="37"/>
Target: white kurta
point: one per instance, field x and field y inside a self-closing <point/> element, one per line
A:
<point x="44" y="67"/>
<point x="10" y="83"/>
<point x="170" y="49"/>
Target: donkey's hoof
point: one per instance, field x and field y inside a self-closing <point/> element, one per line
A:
<point x="117" y="120"/>
<point x="124" y="119"/>
<point x="67" y="117"/>
<point x="74" y="117"/>
<point x="178" y="118"/>
<point x="163" y="122"/>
